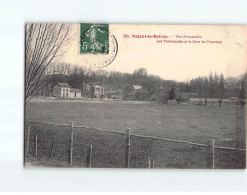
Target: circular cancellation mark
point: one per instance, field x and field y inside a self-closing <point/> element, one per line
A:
<point x="98" y="46"/>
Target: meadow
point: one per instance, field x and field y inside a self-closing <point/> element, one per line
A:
<point x="187" y="122"/>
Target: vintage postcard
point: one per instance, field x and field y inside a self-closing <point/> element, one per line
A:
<point x="135" y="96"/>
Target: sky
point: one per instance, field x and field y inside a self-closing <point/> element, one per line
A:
<point x="224" y="50"/>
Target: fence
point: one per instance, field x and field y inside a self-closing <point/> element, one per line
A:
<point x="213" y="100"/>
<point x="210" y="146"/>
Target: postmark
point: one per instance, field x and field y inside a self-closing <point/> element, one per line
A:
<point x="98" y="46"/>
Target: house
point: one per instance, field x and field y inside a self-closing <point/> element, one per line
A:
<point x="64" y="90"/>
<point x="98" y="91"/>
<point x="136" y="88"/>
<point x="74" y="93"/>
<point x="132" y="93"/>
<point x="61" y="90"/>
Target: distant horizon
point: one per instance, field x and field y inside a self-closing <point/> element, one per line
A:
<point x="148" y="74"/>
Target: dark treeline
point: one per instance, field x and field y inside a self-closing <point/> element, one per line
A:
<point x="216" y="86"/>
<point x="122" y="83"/>
<point x="213" y="86"/>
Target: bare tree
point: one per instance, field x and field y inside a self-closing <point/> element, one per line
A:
<point x="101" y="72"/>
<point x="59" y="68"/>
<point x="44" y="46"/>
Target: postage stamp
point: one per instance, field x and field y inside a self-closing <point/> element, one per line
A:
<point x="96" y="39"/>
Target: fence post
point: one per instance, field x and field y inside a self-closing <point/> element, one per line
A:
<point x="52" y="147"/>
<point x="28" y="136"/>
<point x="71" y="143"/>
<point x="36" y="145"/>
<point x="210" y="154"/>
<point x="127" y="148"/>
<point x="152" y="163"/>
<point x="89" y="156"/>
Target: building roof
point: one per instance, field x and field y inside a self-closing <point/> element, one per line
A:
<point x="75" y="90"/>
<point x="63" y="84"/>
<point x="137" y="86"/>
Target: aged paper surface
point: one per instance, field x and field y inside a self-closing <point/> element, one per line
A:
<point x="135" y="96"/>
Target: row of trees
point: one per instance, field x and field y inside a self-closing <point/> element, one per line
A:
<point x="213" y="86"/>
<point x="122" y="83"/>
<point x="217" y="86"/>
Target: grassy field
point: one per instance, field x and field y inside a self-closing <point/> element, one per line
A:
<point x="183" y="122"/>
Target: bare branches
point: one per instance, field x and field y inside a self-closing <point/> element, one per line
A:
<point x="44" y="44"/>
<point x="59" y="68"/>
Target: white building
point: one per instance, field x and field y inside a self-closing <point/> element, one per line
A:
<point x="74" y="93"/>
<point x="63" y="90"/>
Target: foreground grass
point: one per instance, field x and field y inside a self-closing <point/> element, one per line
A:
<point x="184" y="122"/>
